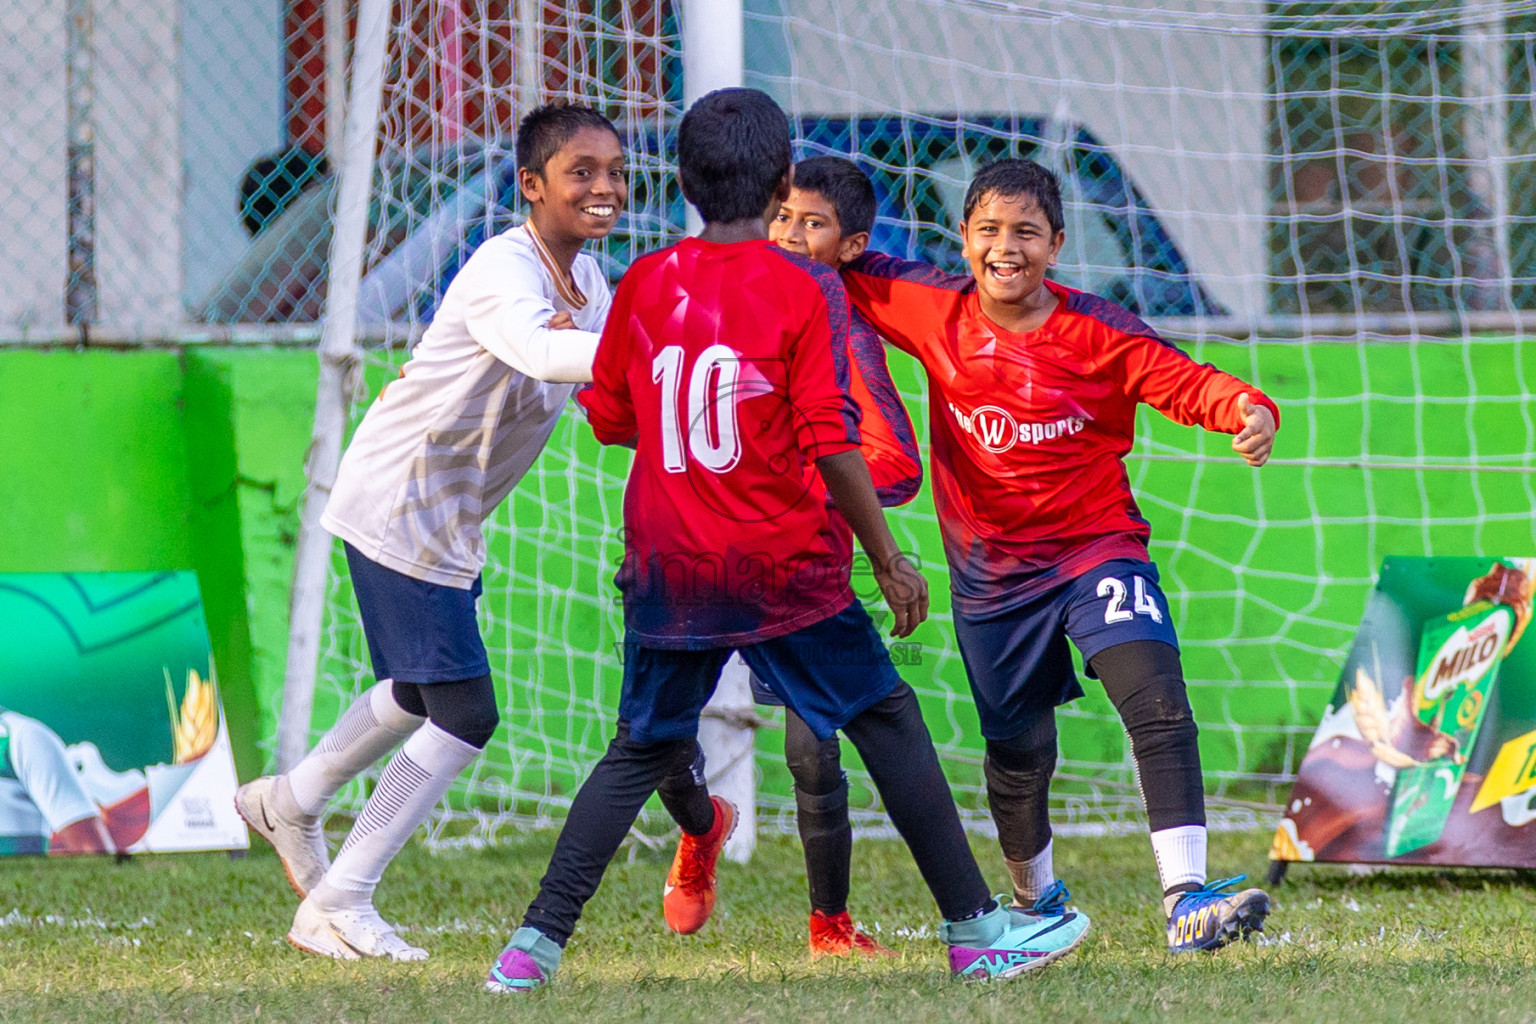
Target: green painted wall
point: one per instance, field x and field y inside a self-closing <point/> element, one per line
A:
<point x="149" y="460"/>
<point x="95" y="465"/>
<point x="249" y="415"/>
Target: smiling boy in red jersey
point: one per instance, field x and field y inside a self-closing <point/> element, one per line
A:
<point x="1034" y="391"/>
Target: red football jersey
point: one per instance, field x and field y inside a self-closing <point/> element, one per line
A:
<point x="727" y="366"/>
<point x="887" y="440"/>
<point x="1029" y="431"/>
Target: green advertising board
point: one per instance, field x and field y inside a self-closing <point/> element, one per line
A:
<point x="1427" y="753"/>
<point x="112" y="737"/>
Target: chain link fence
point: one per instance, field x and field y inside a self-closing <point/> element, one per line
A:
<point x="169" y="163"/>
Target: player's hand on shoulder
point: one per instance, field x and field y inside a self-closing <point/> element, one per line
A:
<point x="1257" y="438"/>
<point x="906" y="591"/>
<point x="561" y="321"/>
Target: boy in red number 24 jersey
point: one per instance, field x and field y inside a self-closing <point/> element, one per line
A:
<point x="1034" y="388"/>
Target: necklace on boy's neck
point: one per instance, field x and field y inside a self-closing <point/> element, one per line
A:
<point x="565" y="281"/>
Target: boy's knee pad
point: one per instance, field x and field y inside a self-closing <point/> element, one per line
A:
<point x="465" y="709"/>
<point x="832" y="801"/>
<point x="1157" y="713"/>
<point x="408" y="698"/>
<point x="685" y="767"/>
<point x="1162" y="703"/>
<point x="1029" y="752"/>
<point x="816" y="766"/>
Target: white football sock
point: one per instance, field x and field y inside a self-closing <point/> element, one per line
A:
<point x="372" y="727"/>
<point x="1180" y="854"/>
<point x="413" y="782"/>
<point x="1031" y="877"/>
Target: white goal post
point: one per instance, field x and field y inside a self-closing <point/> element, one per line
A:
<point x="340" y="366"/>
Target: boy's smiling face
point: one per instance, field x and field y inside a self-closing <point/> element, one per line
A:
<point x="582" y="190"/>
<point x="1010" y="245"/>
<point x="807" y="224"/>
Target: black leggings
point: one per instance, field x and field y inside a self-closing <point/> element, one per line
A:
<point x="896" y="748"/>
<point x="685" y="794"/>
<point x="1145" y="681"/>
<point x="465" y="709"/>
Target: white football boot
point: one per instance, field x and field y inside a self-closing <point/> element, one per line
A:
<point x="349" y="934"/>
<point x="298" y="840"/>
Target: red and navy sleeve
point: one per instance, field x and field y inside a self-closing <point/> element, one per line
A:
<point x="1152" y="370"/>
<point x="889" y="442"/>
<point x="826" y="418"/>
<point x="906" y="301"/>
<point x="610" y="408"/>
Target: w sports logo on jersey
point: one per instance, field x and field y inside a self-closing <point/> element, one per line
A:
<point x="997" y="431"/>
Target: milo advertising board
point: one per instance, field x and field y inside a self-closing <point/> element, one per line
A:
<point x="1427" y="753"/>
<point x="112" y="737"/>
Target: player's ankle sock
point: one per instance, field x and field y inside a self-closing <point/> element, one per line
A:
<point x="1031" y="877"/>
<point x="1180" y="854"/>
<point x="542" y="949"/>
<point x="372" y="727"/>
<point x="413" y="782"/>
<point x="979" y="929"/>
<point x="1171" y="896"/>
<point x="285" y="804"/>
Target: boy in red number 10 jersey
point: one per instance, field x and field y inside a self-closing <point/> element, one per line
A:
<point x="828" y="217"/>
<point x="724" y="363"/>
<point x="1034" y="389"/>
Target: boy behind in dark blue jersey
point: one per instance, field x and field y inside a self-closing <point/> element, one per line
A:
<point x="723" y="363"/>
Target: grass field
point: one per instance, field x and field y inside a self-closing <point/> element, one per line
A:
<point x="200" y="938"/>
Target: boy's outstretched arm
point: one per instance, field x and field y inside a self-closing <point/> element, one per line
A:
<point x="887" y="439"/>
<point x="904" y="588"/>
<point x="507" y="314"/>
<point x="1257" y="438"/>
<point x="903" y="299"/>
<point x="1150" y="370"/>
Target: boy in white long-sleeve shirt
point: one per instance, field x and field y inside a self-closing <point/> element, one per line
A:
<point x="433" y="457"/>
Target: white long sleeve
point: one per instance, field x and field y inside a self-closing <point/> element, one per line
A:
<point x="443" y="445"/>
<point x="506" y="308"/>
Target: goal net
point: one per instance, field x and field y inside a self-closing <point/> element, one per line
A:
<point x="1330" y="199"/>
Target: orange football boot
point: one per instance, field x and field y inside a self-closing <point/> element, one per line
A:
<point x="689" y="896"/>
<point x="835" y="935"/>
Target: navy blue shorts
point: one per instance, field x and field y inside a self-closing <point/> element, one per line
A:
<point x="1018" y="662"/>
<point x="761" y="694"/>
<point x="827" y="673"/>
<point x="417" y="632"/>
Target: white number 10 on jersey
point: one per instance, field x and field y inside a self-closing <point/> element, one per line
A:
<point x="713" y="437"/>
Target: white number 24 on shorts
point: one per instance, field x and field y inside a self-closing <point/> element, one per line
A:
<point x="1115" y="610"/>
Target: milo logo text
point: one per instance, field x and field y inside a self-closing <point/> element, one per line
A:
<point x="997" y="431"/>
<point x="1464" y="658"/>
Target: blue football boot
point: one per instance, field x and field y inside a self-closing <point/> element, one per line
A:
<point x="1212" y="916"/>
<point x="1008" y="941"/>
<point x="527" y="964"/>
